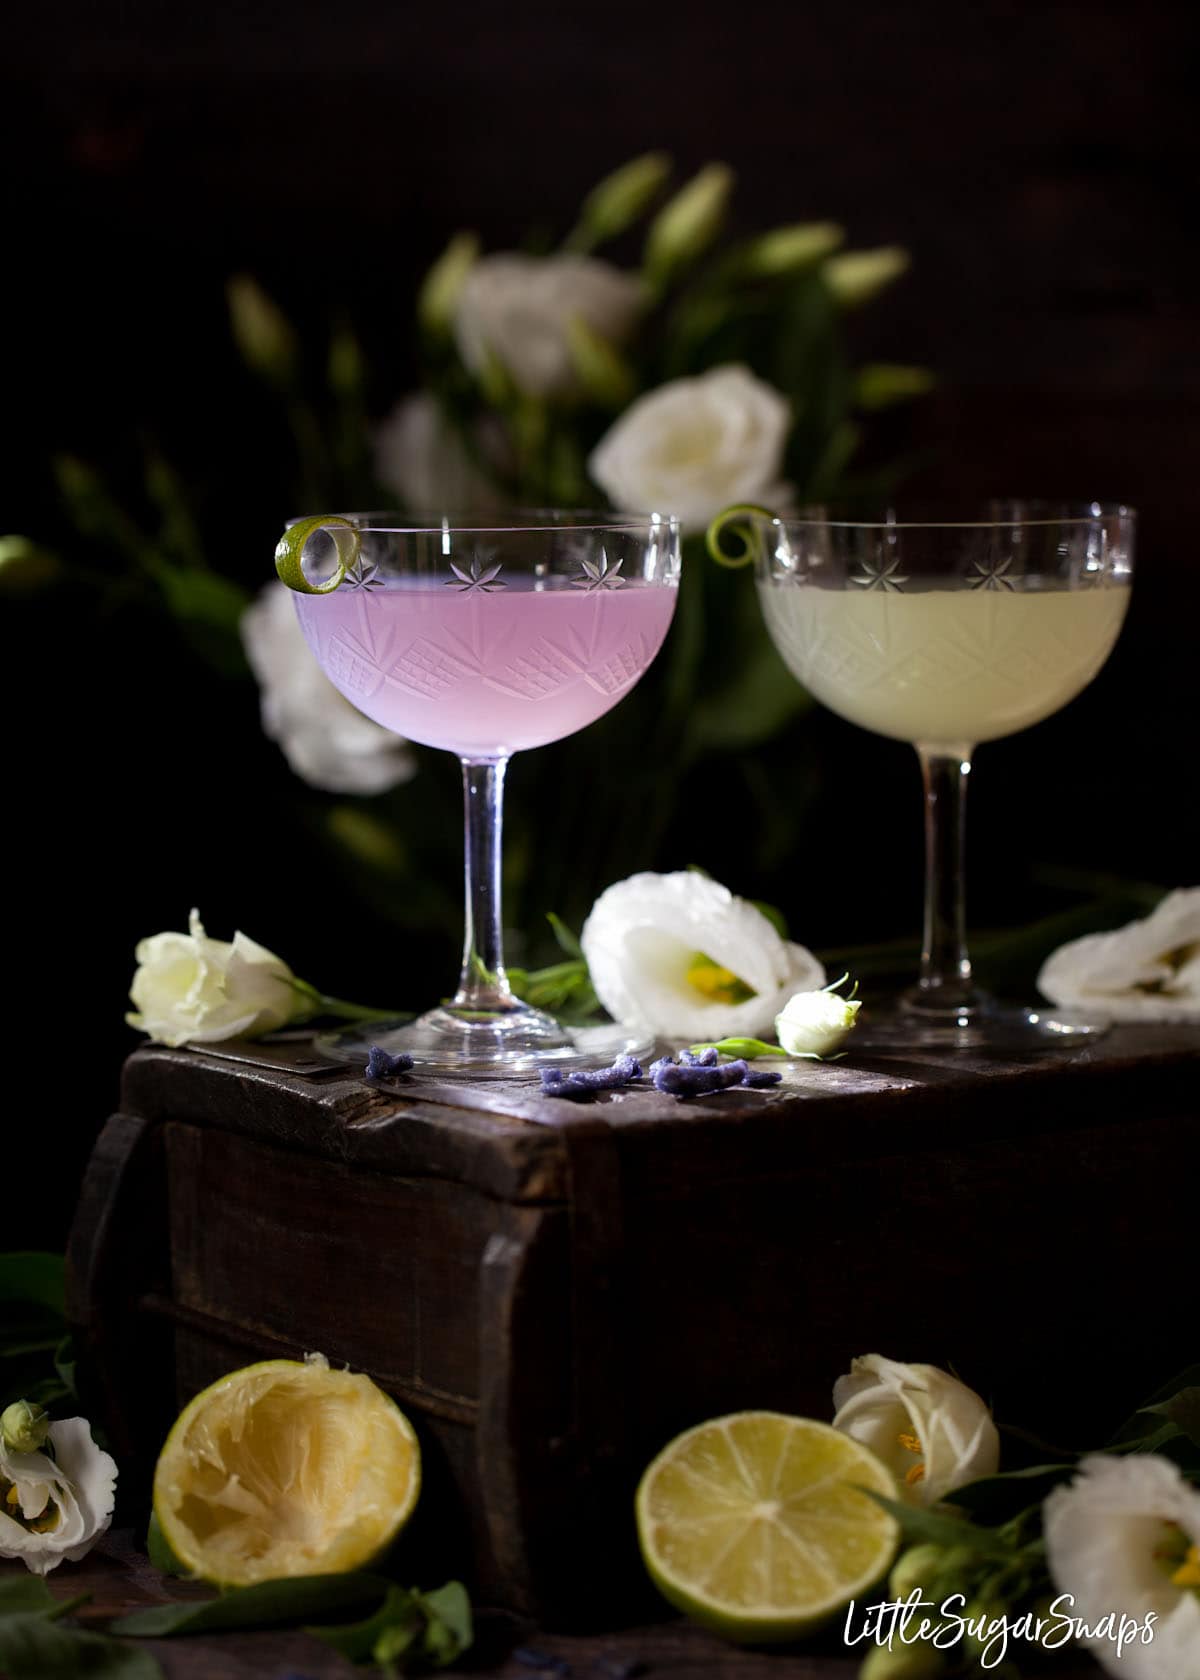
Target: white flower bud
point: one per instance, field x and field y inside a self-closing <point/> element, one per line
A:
<point x="190" y="989"/>
<point x="815" y="1023"/>
<point x="24" y="1427"/>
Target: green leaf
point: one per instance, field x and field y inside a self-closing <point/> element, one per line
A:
<point x="449" y="1628"/>
<point x="34" y="1276"/>
<point x="413" y="1628"/>
<point x="773" y="914"/>
<point x="357" y="1640"/>
<point x="269" y="1604"/>
<point x="25" y="1593"/>
<point x="65" y="1364"/>
<point x="566" y="939"/>
<point x="33" y="1648"/>
<point x="160" y="1554"/>
<point x="1001" y="1497"/>
<point x="750" y="1048"/>
<point x="942" y="1528"/>
<point x="1182" y="1410"/>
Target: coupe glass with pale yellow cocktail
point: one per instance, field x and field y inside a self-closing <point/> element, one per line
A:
<point x="945" y="632"/>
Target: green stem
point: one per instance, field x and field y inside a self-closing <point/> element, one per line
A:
<point x="353" y="1011"/>
<point x="68" y="1606"/>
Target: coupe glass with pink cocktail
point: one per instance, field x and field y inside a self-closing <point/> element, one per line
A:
<point x="485" y="640"/>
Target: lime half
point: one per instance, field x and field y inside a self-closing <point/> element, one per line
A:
<point x="286" y="1469"/>
<point x="757" y="1524"/>
<point x="289" y="552"/>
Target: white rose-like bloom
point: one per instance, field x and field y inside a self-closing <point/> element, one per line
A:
<point x="815" y="1023"/>
<point x="70" y="1495"/>
<point x="933" y="1432"/>
<point x="419" y="455"/>
<point x="190" y="989"/>
<point x="1146" y="971"/>
<point x="694" y="445"/>
<point x="642" y="940"/>
<point x="1102" y="1533"/>
<point x="327" y="741"/>
<point x="519" y="309"/>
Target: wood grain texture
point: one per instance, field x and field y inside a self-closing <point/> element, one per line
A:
<point x="553" y="1289"/>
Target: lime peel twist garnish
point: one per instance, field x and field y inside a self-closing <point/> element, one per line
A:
<point x="289" y="552"/>
<point x="749" y="546"/>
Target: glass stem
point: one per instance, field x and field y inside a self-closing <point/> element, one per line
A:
<point x="483" y="984"/>
<point x="945" y="983"/>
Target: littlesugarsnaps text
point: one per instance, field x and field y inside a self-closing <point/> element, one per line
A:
<point x="911" y="1620"/>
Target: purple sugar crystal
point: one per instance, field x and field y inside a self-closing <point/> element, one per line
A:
<point x="556" y="1083"/>
<point x="380" y="1065"/>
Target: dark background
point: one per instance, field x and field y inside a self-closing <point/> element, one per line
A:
<point x="1039" y="163"/>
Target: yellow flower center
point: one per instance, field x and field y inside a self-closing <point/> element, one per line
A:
<point x="45" y="1524"/>
<point x="1188" y="1573"/>
<point x="721" y="985"/>
<point x="912" y="1443"/>
<point x="1178" y="1556"/>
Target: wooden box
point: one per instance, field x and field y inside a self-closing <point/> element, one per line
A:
<point x="551" y="1290"/>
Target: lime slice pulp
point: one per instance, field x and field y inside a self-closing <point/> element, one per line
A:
<point x="758" y="1526"/>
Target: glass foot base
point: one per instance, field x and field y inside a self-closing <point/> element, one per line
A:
<point x="984" y="1026"/>
<point x="486" y="1046"/>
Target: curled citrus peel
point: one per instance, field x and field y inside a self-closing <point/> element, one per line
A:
<point x="289" y="552"/>
<point x="745" y="533"/>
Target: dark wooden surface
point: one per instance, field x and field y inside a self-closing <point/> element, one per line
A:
<point x="120" y="1579"/>
<point x="552" y="1290"/>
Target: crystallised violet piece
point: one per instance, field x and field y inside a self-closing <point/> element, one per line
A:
<point x="380" y="1065"/>
<point x="697" y="1075"/>
<point x="556" y="1083"/>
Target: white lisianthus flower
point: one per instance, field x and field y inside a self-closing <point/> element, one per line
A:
<point x="678" y="955"/>
<point x="190" y="989"/>
<point x="933" y="1432"/>
<point x="519" y="309"/>
<point x="64" y="1497"/>
<point x="327" y="741"/>
<point x="419" y="455"/>
<point x="816" y="1023"/>
<point x="1124" y="1540"/>
<point x="694" y="445"/>
<point x="1146" y="971"/>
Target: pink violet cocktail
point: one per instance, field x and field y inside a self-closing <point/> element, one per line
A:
<point x="485" y="641"/>
<point x="483" y="673"/>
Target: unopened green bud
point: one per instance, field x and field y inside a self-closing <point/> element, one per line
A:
<point x="785" y="249"/>
<point x="438" y="297"/>
<point x="918" y="1661"/>
<point x="24" y="566"/>
<point x="855" y="277"/>
<point x="919" y="1567"/>
<point x="260" y="329"/>
<point x="602" y="371"/>
<point x="687" y="223"/>
<point x="880" y="384"/>
<point x="617" y="201"/>
<point x="346" y="370"/>
<point x="24" y="1427"/>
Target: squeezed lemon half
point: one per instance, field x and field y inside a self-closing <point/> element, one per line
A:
<point x="757" y="1524"/>
<point x="285" y="1469"/>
